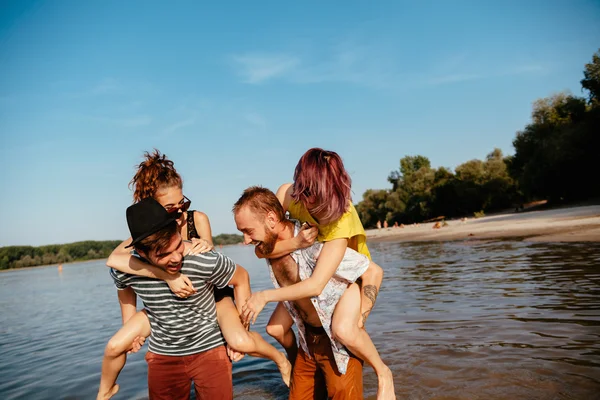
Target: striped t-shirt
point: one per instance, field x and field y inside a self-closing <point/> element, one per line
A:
<point x="183" y="326"/>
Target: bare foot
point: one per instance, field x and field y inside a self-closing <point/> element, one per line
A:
<point x="105" y="396"/>
<point x="385" y="390"/>
<point x="286" y="369"/>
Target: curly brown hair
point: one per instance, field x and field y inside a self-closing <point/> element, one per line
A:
<point x="154" y="173"/>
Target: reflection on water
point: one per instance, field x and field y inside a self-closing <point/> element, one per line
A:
<point x="460" y="320"/>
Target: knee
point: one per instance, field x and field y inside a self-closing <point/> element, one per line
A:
<point x="114" y="348"/>
<point x="374" y="271"/>
<point x="241" y="342"/>
<point x="345" y="332"/>
<point x="275" y="331"/>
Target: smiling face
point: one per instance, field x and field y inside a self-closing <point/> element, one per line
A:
<point x="255" y="230"/>
<point x="172" y="199"/>
<point x="168" y="257"/>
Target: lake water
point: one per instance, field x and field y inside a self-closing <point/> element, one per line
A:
<point x="457" y="320"/>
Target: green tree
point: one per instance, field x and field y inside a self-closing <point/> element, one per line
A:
<point x="373" y="207"/>
<point x="553" y="150"/>
<point x="591" y="79"/>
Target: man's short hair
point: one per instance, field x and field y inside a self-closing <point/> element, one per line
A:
<point x="261" y="201"/>
<point x="159" y="240"/>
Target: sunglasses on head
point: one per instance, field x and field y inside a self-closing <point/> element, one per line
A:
<point x="181" y="207"/>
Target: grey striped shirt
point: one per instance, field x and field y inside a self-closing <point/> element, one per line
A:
<point x="183" y="326"/>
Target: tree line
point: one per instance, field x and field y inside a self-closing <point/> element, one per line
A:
<point x="30" y="256"/>
<point x="554" y="159"/>
<point x="227" y="238"/>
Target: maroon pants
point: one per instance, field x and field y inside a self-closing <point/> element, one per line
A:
<point x="317" y="377"/>
<point x="170" y="377"/>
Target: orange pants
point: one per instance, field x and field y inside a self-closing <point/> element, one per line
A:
<point x="170" y="377"/>
<point x="317" y="377"/>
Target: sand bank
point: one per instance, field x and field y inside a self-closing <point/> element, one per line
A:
<point x="575" y="224"/>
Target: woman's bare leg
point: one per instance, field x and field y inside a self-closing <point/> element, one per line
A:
<point x="115" y="353"/>
<point x="345" y="329"/>
<point x="244" y="341"/>
<point x="280" y="328"/>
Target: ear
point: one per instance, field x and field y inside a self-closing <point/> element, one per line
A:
<point x="271" y="219"/>
<point x="143" y="254"/>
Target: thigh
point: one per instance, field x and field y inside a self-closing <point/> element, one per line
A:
<point x="211" y="372"/>
<point x="347" y="310"/>
<point x="281" y="318"/>
<point x="138" y="325"/>
<point x="167" y="378"/>
<point x="229" y="321"/>
<point x="307" y="381"/>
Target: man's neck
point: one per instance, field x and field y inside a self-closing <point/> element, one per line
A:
<point x="286" y="230"/>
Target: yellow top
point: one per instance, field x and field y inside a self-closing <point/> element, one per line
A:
<point x="347" y="227"/>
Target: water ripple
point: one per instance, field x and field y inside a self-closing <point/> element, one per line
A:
<point x="454" y="320"/>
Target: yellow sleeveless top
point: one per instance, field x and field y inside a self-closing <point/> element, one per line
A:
<point x="347" y="227"/>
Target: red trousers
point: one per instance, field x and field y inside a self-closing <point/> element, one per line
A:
<point x="170" y="377"/>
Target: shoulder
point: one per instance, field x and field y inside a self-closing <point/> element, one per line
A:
<point x="200" y="217"/>
<point x="284" y="194"/>
<point x="348" y="225"/>
<point x="209" y="259"/>
<point x="121" y="279"/>
<point x="116" y="274"/>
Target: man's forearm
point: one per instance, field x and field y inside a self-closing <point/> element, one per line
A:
<point x="127" y="302"/>
<point x="241" y="294"/>
<point x="241" y="287"/>
<point x="282" y="248"/>
<point x="371" y="282"/>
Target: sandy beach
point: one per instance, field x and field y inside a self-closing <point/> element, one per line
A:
<point x="575" y="224"/>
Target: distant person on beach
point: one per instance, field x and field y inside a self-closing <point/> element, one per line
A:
<point x="378" y="224"/>
<point x="385" y="224"/>
<point x="185" y="343"/>
<point x="156" y="177"/>
<point x="320" y="197"/>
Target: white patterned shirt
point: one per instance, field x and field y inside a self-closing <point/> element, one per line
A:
<point x="350" y="269"/>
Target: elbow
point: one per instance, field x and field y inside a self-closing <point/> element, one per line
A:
<point x="317" y="288"/>
<point x="110" y="262"/>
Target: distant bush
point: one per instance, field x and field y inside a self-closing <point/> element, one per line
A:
<point x="227" y="238"/>
<point x="30" y="256"/>
<point x="479" y="214"/>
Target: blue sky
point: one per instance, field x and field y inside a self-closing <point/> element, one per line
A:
<point x="236" y="92"/>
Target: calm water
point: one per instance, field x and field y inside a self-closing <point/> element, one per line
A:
<point x="463" y="320"/>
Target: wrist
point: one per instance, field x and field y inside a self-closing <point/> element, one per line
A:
<point x="168" y="277"/>
<point x="296" y="243"/>
<point x="265" y="294"/>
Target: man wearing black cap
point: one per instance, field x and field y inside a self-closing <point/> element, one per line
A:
<point x="185" y="344"/>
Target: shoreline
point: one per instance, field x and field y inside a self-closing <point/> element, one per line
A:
<point x="569" y="224"/>
<point x="52" y="265"/>
<point x="74" y="262"/>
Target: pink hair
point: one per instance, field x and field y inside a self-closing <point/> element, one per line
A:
<point x="320" y="178"/>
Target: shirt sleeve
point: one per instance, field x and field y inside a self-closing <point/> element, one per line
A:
<point x="223" y="271"/>
<point x="344" y="228"/>
<point x="119" y="279"/>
